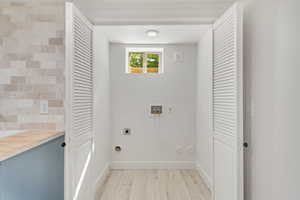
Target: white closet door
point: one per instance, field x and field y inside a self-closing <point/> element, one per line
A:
<point x="79" y="104"/>
<point x="228" y="107"/>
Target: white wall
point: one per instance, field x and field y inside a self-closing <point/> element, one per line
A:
<point x="154" y="141"/>
<point x="203" y="127"/>
<point x="102" y="153"/>
<point x="272" y="66"/>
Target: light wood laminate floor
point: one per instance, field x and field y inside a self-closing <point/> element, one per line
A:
<point x="154" y="185"/>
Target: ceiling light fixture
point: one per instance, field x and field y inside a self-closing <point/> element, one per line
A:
<point x="152" y="33"/>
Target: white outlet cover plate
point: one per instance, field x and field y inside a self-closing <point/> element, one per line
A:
<point x="179" y="56"/>
<point x="44" y="109"/>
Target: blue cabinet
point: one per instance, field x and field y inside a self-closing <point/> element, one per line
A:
<point x="37" y="174"/>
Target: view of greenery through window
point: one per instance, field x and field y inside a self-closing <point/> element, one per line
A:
<point x="152" y="63"/>
<point x="136" y="62"/>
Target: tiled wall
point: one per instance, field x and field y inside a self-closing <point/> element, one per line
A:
<point x="31" y="64"/>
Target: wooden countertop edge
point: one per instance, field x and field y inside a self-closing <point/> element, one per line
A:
<point x="31" y="146"/>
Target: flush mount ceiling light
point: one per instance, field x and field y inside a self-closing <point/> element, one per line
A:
<point x="152" y="33"/>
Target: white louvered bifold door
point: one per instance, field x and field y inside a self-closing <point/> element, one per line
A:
<point x="227" y="107"/>
<point x="79" y="104"/>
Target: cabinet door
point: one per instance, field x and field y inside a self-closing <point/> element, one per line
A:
<point x="37" y="174"/>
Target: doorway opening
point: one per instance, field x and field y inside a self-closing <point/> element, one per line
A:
<point x="171" y="120"/>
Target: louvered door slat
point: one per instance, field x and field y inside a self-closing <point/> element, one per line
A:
<point x="81" y="81"/>
<point x="224" y="61"/>
<point x="82" y="78"/>
<point x="216" y="70"/>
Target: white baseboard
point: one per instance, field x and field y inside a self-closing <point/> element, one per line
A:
<point x="153" y="165"/>
<point x="205" y="176"/>
<point x="100" y="181"/>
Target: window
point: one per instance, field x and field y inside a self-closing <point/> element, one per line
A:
<point x="144" y="60"/>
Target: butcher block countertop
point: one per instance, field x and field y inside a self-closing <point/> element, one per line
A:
<point x="13" y="145"/>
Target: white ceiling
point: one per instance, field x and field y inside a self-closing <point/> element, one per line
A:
<point x="168" y="34"/>
<point x="154" y="11"/>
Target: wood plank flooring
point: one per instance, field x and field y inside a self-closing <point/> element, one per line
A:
<point x="153" y="185"/>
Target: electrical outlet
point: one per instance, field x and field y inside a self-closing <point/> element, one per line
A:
<point x="179" y="149"/>
<point x="190" y="149"/>
<point x="178" y="57"/>
<point x="171" y="109"/>
<point x="44" y="107"/>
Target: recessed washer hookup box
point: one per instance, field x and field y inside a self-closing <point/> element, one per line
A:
<point x="156" y="109"/>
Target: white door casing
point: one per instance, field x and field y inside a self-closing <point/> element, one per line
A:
<point x="78" y="104"/>
<point x="227" y="106"/>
